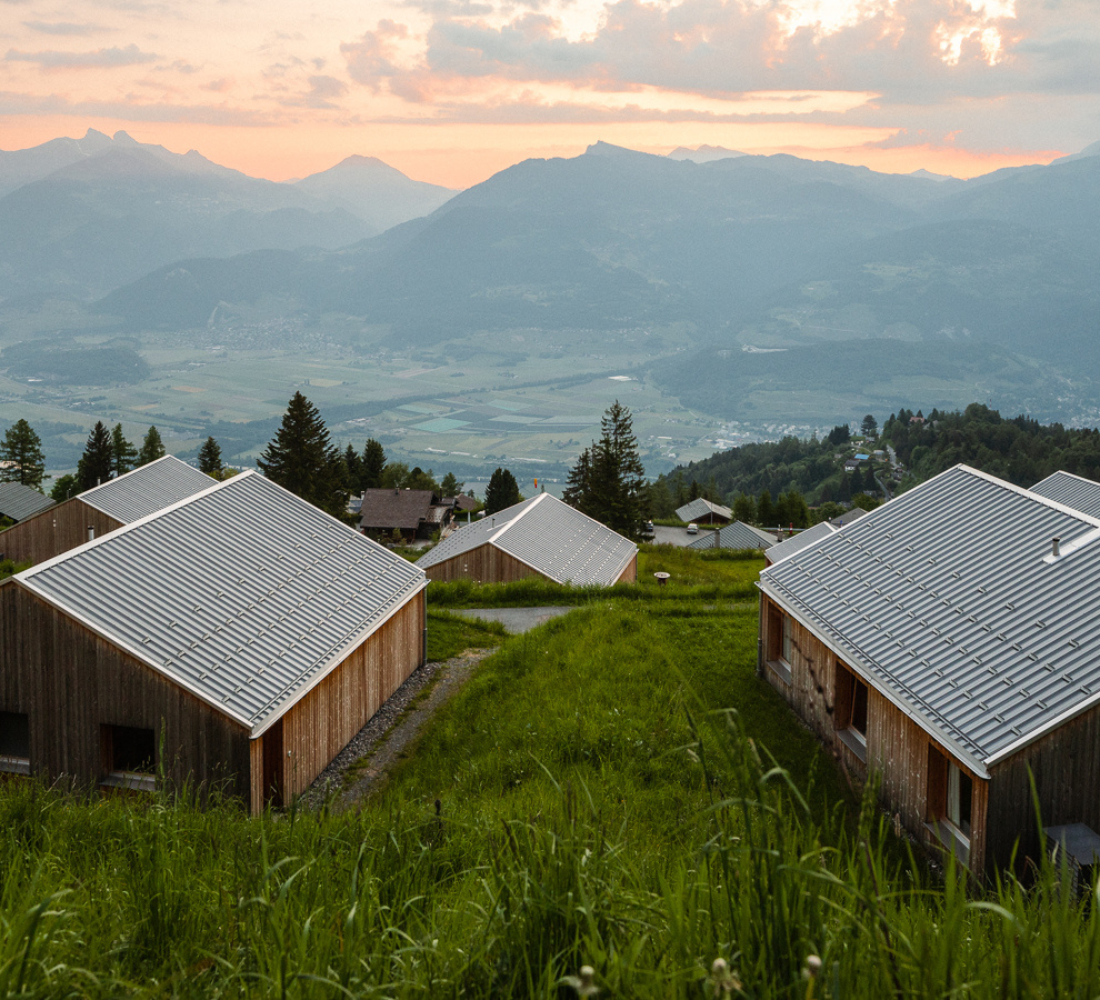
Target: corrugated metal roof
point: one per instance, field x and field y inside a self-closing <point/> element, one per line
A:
<point x="549" y="536"/>
<point x="19" y="502"/>
<point x="949" y="601"/>
<point x="737" y="535"/>
<point x="796" y="543"/>
<point x="1073" y="491"/>
<point x="701" y="508"/>
<point x="147" y="489"/>
<point x="245" y="595"/>
<point x="847" y="517"/>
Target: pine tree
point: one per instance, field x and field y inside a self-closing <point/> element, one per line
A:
<point x="450" y="487"/>
<point x="502" y="491"/>
<point x="64" y="487"/>
<point x="152" y="447"/>
<point x="612" y="489"/>
<point x="354" y="463"/>
<point x="300" y="459"/>
<point x="98" y="458"/>
<point x="210" y="458"/>
<point x="765" y="512"/>
<point x="373" y="465"/>
<point x="21" y="459"/>
<point x="123" y="453"/>
<point x="744" y="508"/>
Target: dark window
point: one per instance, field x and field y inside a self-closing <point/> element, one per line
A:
<point x="15" y="741"/>
<point x="950" y="792"/>
<point x="126" y="749"/>
<point x="850" y="711"/>
<point x="859" y="706"/>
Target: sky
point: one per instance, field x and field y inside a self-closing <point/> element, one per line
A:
<point x="451" y="91"/>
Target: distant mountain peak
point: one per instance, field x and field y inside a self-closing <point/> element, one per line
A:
<point x="1093" y="149"/>
<point x="928" y="175"/>
<point x="601" y="148"/>
<point x="125" y="139"/>
<point x="704" y="154"/>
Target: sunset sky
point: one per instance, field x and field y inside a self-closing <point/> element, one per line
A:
<point x="451" y="91"/>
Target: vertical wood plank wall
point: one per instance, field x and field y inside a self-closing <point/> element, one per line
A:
<point x="319" y="726"/>
<point x="54" y="531"/>
<point x="897" y="748"/>
<point x="485" y="564"/>
<point x="69" y="682"/>
<point x="630" y="572"/>
<point x="1066" y="768"/>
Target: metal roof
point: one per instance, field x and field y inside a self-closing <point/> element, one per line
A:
<point x="1074" y="491"/>
<point x="701" y="508"/>
<point x="147" y="489"/>
<point x="737" y="535"/>
<point x="796" y="543"/>
<point x="20" y="502"/>
<point x="549" y="536"/>
<point x="949" y="601"/>
<point x="245" y="595"/>
<point x="847" y="517"/>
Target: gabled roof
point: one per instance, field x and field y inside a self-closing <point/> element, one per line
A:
<point x="737" y="535"/>
<point x="19" y="502"/>
<point x="549" y="536"/>
<point x="949" y="601"/>
<point x="245" y="594"/>
<point x="701" y="508"/>
<point x="1074" y="491"/>
<point x="147" y="489"/>
<point x="796" y="543"/>
<point x="847" y="517"/>
<point x="395" y="508"/>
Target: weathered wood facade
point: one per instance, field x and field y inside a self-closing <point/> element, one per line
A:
<point x="54" y="531"/>
<point x="488" y="564"/>
<point x="304" y="741"/>
<point x="805" y="671"/>
<point x="74" y="687"/>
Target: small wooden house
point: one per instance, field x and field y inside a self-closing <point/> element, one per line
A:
<point x="701" y="511"/>
<point x="18" y="502"/>
<point x="414" y="513"/>
<point x="240" y="637"/>
<point x="103" y="509"/>
<point x="949" y="641"/>
<point x="538" y="537"/>
<point x="736" y="535"/>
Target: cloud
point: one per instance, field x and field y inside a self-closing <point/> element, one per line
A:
<point x="322" y="94"/>
<point x="12" y="103"/>
<point x="372" y="58"/>
<point x="63" y="28"/>
<point x="112" y="57"/>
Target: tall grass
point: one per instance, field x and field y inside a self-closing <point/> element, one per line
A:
<point x="618" y="809"/>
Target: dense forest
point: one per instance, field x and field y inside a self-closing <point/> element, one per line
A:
<point x="1020" y="450"/>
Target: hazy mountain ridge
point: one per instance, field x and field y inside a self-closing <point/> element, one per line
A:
<point x="81" y="217"/>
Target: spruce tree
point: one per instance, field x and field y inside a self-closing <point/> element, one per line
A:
<point x="765" y="511"/>
<point x="300" y="458"/>
<point x="502" y="491"/>
<point x="21" y="459"/>
<point x="744" y="508"/>
<point x="612" y="489"/>
<point x="354" y="463"/>
<point x="98" y="458"/>
<point x="373" y="465"/>
<point x="152" y="447"/>
<point x="123" y="453"/>
<point x="210" y="458"/>
<point x="450" y="487"/>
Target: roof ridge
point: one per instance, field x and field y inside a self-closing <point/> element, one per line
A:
<point x="1013" y="488"/>
<point x="531" y="505"/>
<point x="1072" y="475"/>
<point x="117" y="479"/>
<point x="118" y="532"/>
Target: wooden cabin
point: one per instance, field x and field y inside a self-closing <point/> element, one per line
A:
<point x="18" y="502"/>
<point x="538" y="537"/>
<point x="101" y="510"/>
<point x="240" y="638"/>
<point x="413" y="513"/>
<point x="702" y="511"/>
<point x="948" y="641"/>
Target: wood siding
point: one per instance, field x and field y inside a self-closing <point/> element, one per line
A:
<point x="319" y="726"/>
<point x="1066" y="767"/>
<point x="54" y="531"/>
<point x="897" y="747"/>
<point x="485" y="564"/>
<point x="630" y="571"/>
<point x="70" y="683"/>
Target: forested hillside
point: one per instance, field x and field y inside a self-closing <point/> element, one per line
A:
<point x="1019" y="449"/>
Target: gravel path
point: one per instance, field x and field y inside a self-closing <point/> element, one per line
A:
<point x="382" y="741"/>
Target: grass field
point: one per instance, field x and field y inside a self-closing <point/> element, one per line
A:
<point x="615" y="788"/>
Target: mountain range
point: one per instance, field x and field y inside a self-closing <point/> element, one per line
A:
<point x="81" y="217"/>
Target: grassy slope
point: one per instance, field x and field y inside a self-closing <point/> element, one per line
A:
<point x="581" y="817"/>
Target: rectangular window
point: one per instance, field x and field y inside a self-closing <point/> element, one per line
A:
<point x="950" y="800"/>
<point x="785" y="651"/>
<point x="15" y="743"/>
<point x="129" y="757"/>
<point x="850" y="710"/>
<point x="778" y="651"/>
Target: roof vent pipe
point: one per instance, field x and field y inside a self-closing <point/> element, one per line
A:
<point x="91" y="532"/>
<point x="1054" y="546"/>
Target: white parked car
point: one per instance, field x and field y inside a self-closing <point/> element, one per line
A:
<point x="693" y="529"/>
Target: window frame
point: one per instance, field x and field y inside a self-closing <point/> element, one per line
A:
<point x="780" y="640"/>
<point x="16" y="763"/>
<point x="851" y="704"/>
<point x="945" y="785"/>
<point x="115" y="776"/>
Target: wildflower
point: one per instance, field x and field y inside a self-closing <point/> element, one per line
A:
<point x="722" y="980"/>
<point x="585" y="983"/>
<point x="812" y="967"/>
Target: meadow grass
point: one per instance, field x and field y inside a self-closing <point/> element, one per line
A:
<point x="449" y="634"/>
<point x="615" y="788"/>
